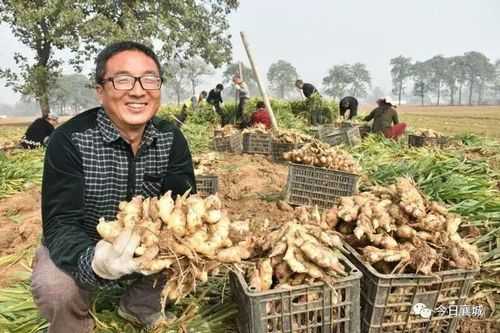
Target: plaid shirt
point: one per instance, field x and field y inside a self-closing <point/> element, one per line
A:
<point x="89" y="169"/>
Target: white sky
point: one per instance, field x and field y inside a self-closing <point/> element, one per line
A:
<point x="314" y="35"/>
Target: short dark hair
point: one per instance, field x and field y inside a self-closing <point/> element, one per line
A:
<point x="115" y="48"/>
<point x="260" y="104"/>
<point x="219" y="86"/>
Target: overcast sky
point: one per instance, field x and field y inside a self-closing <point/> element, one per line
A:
<point x="314" y="35"/>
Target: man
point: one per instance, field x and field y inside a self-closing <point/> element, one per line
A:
<point x="242" y="95"/>
<point x="313" y="102"/>
<point x="39" y="131"/>
<point x="95" y="160"/>
<point x="215" y="98"/>
<point x="348" y="103"/>
<point x="384" y="116"/>
<point x="307" y="89"/>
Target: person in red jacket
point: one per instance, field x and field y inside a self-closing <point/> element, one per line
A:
<point x="260" y="116"/>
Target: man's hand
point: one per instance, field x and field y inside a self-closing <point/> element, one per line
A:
<point x="112" y="261"/>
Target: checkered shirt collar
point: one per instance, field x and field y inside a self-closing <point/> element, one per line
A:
<point x="110" y="132"/>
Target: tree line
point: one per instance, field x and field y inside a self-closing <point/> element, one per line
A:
<point x="471" y="78"/>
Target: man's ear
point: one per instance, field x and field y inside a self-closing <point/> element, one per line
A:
<point x="99" y="92"/>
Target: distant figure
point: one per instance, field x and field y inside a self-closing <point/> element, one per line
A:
<point x="384" y="116"/>
<point x="202" y="98"/>
<point x="214" y="98"/>
<point x="307" y="89"/>
<point x="348" y="103"/>
<point x="260" y="116"/>
<point x="39" y="131"/>
<point x="313" y="103"/>
<point x="243" y="96"/>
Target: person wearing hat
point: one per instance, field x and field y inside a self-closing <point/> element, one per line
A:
<point x="384" y="116"/>
<point x="243" y="96"/>
<point x="39" y="131"/>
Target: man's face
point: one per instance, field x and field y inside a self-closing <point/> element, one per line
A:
<point x="129" y="108"/>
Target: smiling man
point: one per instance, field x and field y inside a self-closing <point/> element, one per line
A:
<point x="95" y="160"/>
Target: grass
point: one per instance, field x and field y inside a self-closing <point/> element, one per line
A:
<point x="480" y="120"/>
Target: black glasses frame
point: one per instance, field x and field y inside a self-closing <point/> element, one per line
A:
<point x="136" y="78"/>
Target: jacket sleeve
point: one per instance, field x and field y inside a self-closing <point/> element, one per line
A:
<point x="180" y="173"/>
<point x="370" y="116"/>
<point x="395" y="118"/>
<point x="63" y="202"/>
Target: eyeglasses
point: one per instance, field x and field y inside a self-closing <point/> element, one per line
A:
<point x="127" y="82"/>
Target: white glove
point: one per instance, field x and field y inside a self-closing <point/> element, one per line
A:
<point x="112" y="261"/>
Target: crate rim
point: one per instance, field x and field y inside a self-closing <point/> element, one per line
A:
<point x="437" y="276"/>
<point x="354" y="274"/>
<point x="323" y="168"/>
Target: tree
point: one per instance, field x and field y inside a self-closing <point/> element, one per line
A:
<point x="282" y="76"/>
<point x="338" y="79"/>
<point x="478" y="70"/>
<point x="496" y="84"/>
<point x="436" y="68"/>
<point x="248" y="77"/>
<point x="361" y="80"/>
<point x="175" y="77"/>
<point x="195" y="68"/>
<point x="72" y="92"/>
<point x="401" y="71"/>
<point x="421" y="79"/>
<point x="182" y="28"/>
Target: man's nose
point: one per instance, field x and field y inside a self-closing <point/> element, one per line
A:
<point x="137" y="89"/>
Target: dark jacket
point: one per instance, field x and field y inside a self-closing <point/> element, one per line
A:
<point x="89" y="169"/>
<point x="383" y="117"/>
<point x="348" y="103"/>
<point x="214" y="97"/>
<point x="36" y="133"/>
<point x="308" y="89"/>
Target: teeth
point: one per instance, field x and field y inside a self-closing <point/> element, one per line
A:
<point x="136" y="105"/>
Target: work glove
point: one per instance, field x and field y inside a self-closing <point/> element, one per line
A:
<point x="113" y="260"/>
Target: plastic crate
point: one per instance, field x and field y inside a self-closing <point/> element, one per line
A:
<point x="387" y="300"/>
<point x="257" y="143"/>
<point x="421" y="141"/>
<point x="335" y="309"/>
<point x="279" y="148"/>
<point x="207" y="184"/>
<point x="336" y="136"/>
<point x="309" y="185"/>
<point x="230" y="143"/>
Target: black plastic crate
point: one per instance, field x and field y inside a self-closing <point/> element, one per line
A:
<point x="257" y="143"/>
<point x="207" y="184"/>
<point x="279" y="148"/>
<point x="336" y="136"/>
<point x="230" y="143"/>
<point x="305" y="308"/>
<point x="421" y="141"/>
<point x="388" y="300"/>
<point x="309" y="185"/>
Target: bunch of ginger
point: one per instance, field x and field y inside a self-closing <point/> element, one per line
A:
<point x="302" y="251"/>
<point x="292" y="137"/>
<point x="398" y="229"/>
<point x="186" y="238"/>
<point x="325" y="156"/>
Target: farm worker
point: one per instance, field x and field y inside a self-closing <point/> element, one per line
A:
<point x="348" y="103"/>
<point x="186" y="108"/>
<point x="214" y="98"/>
<point x="260" y="116"/>
<point x="93" y="162"/>
<point x="39" y="131"/>
<point x="307" y="89"/>
<point x="313" y="102"/>
<point x="384" y="116"/>
<point x="202" y="98"/>
<point x="243" y="95"/>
